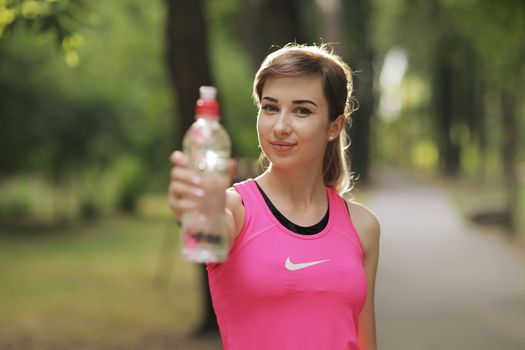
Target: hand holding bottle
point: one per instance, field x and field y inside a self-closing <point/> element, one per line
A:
<point x="199" y="181"/>
<point x="192" y="192"/>
<point x="185" y="192"/>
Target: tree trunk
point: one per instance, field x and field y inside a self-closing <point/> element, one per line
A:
<point x="265" y="23"/>
<point x="187" y="59"/>
<point x="510" y="150"/>
<point x="444" y="96"/>
<point x="478" y="124"/>
<point x="331" y="29"/>
<point x="360" y="55"/>
<point x="189" y="68"/>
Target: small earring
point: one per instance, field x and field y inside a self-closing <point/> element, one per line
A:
<point x="331" y="138"/>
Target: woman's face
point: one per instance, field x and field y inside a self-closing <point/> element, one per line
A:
<point x="292" y="125"/>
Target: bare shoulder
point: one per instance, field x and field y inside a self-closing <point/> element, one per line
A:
<point x="236" y="207"/>
<point x="366" y="224"/>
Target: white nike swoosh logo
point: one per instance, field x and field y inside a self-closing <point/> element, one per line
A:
<point x="293" y="267"/>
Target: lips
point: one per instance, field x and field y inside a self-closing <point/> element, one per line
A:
<point x="282" y="146"/>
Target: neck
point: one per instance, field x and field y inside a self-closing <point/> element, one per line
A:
<point x="301" y="189"/>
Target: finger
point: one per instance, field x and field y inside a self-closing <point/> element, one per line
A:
<point x="186" y="175"/>
<point x="178" y="158"/>
<point x="180" y="190"/>
<point x="182" y="197"/>
<point x="180" y="206"/>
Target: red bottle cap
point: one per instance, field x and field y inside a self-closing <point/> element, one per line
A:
<point x="207" y="105"/>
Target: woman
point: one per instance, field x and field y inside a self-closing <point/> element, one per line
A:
<point x="301" y="269"/>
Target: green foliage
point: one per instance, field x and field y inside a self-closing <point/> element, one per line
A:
<point x="84" y="94"/>
<point x="62" y="121"/>
<point x="235" y="84"/>
<point x="93" y="191"/>
<point x="15" y="205"/>
<point x="132" y="179"/>
<point x="19" y="200"/>
<point x="481" y="40"/>
<point x="47" y="128"/>
<point x="497" y="32"/>
<point x="61" y="17"/>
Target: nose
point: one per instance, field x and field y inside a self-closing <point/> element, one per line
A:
<point x="282" y="124"/>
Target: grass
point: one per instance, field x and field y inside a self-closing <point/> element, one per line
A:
<point x="109" y="285"/>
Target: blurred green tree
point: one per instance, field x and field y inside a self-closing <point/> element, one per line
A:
<point x="361" y="55"/>
<point x="497" y="33"/>
<point x="57" y="121"/>
<point x="346" y="25"/>
<point x="472" y="53"/>
<point x="263" y="25"/>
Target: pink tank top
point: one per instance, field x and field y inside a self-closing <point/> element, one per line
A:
<point x="283" y="290"/>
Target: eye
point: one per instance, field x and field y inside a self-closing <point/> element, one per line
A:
<point x="269" y="108"/>
<point x="302" y="111"/>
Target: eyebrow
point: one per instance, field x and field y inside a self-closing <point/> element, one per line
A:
<point x="294" y="101"/>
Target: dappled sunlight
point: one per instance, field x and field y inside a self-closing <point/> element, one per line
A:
<point x="425" y="155"/>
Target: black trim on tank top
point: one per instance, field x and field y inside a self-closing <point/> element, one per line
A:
<point x="303" y="230"/>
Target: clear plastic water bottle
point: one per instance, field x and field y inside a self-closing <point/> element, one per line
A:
<point x="208" y="147"/>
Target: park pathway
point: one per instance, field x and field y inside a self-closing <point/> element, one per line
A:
<point x="442" y="283"/>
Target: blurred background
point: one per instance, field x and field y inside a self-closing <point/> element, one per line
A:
<point x="95" y="95"/>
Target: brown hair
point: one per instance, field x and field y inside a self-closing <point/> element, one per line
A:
<point x="296" y="60"/>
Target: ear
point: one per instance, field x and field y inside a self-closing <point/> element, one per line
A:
<point x="336" y="127"/>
